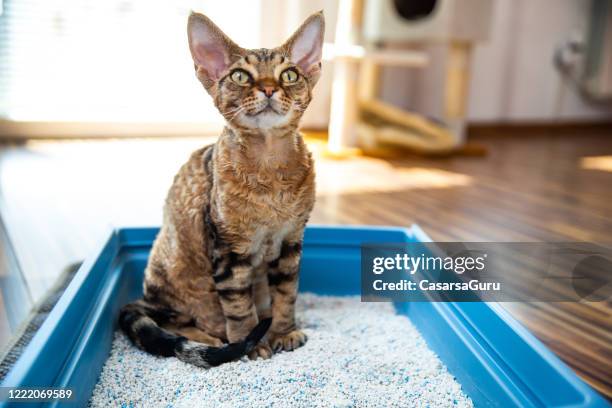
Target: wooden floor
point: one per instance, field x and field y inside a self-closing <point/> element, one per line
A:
<point x="535" y="187"/>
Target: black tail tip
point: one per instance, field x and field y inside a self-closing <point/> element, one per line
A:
<point x="259" y="331"/>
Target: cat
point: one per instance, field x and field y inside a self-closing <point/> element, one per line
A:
<point x="221" y="281"/>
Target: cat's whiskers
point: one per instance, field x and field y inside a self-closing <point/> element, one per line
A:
<point x="231" y="110"/>
<point x="236" y="113"/>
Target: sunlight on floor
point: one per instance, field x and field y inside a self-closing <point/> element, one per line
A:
<point x="603" y="163"/>
<point x="149" y="161"/>
<point x="360" y="175"/>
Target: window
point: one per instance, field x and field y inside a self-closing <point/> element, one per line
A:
<point x="109" y="61"/>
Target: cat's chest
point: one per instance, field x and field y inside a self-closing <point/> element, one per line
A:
<point x="267" y="200"/>
<point x="266" y="242"/>
<point x="263" y="218"/>
<point x="281" y="202"/>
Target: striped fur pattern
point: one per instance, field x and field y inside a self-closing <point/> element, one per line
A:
<point x="137" y="321"/>
<point x="227" y="257"/>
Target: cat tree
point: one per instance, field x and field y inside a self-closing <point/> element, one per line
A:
<point x="358" y="117"/>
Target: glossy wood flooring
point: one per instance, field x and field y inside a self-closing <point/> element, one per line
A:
<point x="59" y="198"/>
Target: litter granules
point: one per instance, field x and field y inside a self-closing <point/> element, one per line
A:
<point x="357" y="355"/>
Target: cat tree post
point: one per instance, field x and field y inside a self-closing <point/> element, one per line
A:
<point x="343" y="115"/>
<point x="457" y="87"/>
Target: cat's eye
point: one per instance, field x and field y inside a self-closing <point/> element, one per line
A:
<point x="289" y="75"/>
<point x="240" y="77"/>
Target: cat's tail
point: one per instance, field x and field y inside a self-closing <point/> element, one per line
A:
<point x="139" y="321"/>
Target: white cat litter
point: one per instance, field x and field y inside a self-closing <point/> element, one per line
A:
<point x="357" y="355"/>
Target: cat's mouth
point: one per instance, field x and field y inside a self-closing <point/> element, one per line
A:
<point x="267" y="109"/>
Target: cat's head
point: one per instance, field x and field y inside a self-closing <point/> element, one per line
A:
<point x="262" y="88"/>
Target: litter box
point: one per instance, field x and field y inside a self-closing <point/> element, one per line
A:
<point x="496" y="360"/>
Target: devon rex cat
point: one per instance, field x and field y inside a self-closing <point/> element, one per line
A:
<point x="226" y="259"/>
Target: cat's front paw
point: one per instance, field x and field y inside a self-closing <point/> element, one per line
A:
<point x="289" y="341"/>
<point x="261" y="350"/>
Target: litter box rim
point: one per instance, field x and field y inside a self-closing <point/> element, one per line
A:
<point x="460" y="333"/>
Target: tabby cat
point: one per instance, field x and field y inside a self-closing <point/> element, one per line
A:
<point x="221" y="281"/>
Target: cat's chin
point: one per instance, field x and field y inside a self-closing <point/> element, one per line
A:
<point x="266" y="119"/>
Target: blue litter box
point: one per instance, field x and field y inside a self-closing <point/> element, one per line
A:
<point x="496" y="360"/>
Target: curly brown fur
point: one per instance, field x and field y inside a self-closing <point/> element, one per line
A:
<point x="228" y="253"/>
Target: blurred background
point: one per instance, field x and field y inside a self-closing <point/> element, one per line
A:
<point x="480" y="120"/>
<point x="125" y="61"/>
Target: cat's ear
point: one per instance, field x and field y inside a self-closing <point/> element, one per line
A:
<point x="305" y="46"/>
<point x="211" y="49"/>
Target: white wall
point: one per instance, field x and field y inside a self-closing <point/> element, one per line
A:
<point x="513" y="78"/>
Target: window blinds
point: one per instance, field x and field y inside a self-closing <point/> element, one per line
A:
<point x="109" y="61"/>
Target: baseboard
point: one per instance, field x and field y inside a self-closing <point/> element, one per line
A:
<point x="537" y="128"/>
<point x="11" y="130"/>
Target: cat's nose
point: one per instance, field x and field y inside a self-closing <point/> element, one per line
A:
<point x="268" y="90"/>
